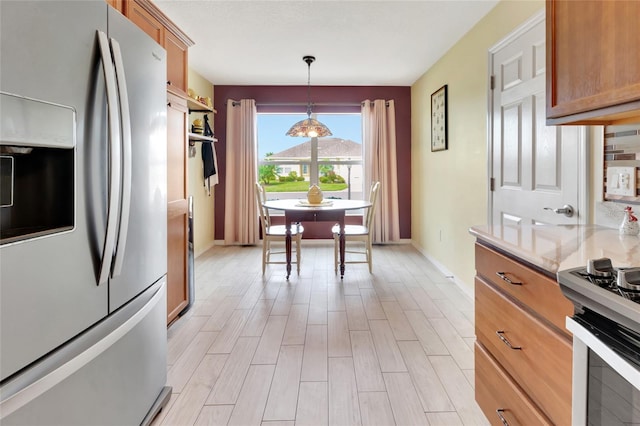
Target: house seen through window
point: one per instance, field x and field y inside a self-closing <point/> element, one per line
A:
<point x="286" y="164"/>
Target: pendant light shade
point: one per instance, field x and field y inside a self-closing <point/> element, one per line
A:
<point x="309" y="127"/>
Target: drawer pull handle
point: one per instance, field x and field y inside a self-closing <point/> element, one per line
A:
<point x="499" y="412"/>
<point x="500" y="334"/>
<point x="504" y="277"/>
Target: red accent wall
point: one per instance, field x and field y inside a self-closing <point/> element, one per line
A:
<point x="319" y="94"/>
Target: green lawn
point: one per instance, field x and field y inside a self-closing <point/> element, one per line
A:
<point x="302" y="186"/>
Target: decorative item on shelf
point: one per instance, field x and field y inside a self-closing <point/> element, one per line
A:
<point x="204" y="101"/>
<point x="191" y="93"/>
<point x="197" y="126"/>
<point x="629" y="225"/>
<point x="309" y="127"/>
<point x="314" y="196"/>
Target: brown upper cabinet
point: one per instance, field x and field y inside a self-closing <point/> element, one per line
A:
<point x="177" y="65"/>
<point x="144" y="20"/>
<point x="593" y="62"/>
<point x="152" y="21"/>
<point x="117" y="5"/>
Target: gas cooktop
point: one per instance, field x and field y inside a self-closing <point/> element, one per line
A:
<point x="602" y="288"/>
<point x="623" y="281"/>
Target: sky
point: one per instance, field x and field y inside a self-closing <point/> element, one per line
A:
<point x="272" y="129"/>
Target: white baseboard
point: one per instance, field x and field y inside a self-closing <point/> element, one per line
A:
<point x="401" y="241"/>
<point x="461" y="285"/>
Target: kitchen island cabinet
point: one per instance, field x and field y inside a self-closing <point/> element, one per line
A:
<point x="495" y="388"/>
<point x="519" y="317"/>
<point x="593" y="62"/>
<point x="523" y="352"/>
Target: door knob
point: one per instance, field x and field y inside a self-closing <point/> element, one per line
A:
<point x="566" y="210"/>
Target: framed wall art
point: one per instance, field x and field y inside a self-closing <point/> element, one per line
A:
<point x="439" y="139"/>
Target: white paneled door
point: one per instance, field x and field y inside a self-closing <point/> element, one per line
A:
<point x="537" y="170"/>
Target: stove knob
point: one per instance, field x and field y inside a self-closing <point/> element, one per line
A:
<point x="629" y="278"/>
<point x="600" y="267"/>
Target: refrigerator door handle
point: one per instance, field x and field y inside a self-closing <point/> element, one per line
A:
<point x="114" y="159"/>
<point x="125" y="121"/>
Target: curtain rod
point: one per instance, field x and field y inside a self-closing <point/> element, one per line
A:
<point x="337" y="104"/>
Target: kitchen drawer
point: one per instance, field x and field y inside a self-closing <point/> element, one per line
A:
<point x="538" y="359"/>
<point x="497" y="394"/>
<point x="540" y="293"/>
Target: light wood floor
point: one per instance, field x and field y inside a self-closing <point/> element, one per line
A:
<point x="392" y="347"/>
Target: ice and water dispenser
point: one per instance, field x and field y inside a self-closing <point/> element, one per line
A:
<point x="37" y="154"/>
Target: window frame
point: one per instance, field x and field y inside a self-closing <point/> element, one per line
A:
<point x="301" y="164"/>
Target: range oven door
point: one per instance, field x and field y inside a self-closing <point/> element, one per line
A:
<point x="606" y="372"/>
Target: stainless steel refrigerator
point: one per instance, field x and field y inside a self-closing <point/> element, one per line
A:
<point x="83" y="216"/>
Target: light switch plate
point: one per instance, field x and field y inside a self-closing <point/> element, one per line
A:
<point x="621" y="181"/>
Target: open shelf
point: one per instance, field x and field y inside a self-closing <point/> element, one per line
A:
<point x="195" y="137"/>
<point x="195" y="106"/>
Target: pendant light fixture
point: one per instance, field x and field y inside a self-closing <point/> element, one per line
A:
<point x="309" y="127"/>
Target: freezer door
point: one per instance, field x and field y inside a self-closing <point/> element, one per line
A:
<point x="110" y="375"/>
<point x="48" y="285"/>
<point x="141" y="255"/>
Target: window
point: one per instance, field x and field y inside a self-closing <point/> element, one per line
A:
<point x="285" y="163"/>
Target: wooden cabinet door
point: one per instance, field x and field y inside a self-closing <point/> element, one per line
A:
<point x="593" y="60"/>
<point x="537" y="358"/>
<point x="499" y="397"/>
<point x="177" y="62"/>
<point x="117" y="5"/>
<point x="177" y="209"/>
<point x="144" y="20"/>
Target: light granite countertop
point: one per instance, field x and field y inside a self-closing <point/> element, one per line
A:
<point x="559" y="247"/>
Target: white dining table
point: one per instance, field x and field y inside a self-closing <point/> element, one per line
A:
<point x="330" y="210"/>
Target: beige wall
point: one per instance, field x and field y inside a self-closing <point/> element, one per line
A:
<point x="203" y="204"/>
<point x="449" y="188"/>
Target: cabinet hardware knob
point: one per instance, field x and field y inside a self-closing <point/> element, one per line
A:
<point x="499" y="412"/>
<point x="500" y="334"/>
<point x="168" y="104"/>
<point x="504" y="277"/>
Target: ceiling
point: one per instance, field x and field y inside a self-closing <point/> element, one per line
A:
<point x="356" y="43"/>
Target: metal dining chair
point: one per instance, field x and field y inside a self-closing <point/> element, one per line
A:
<point x="275" y="233"/>
<point x="359" y="233"/>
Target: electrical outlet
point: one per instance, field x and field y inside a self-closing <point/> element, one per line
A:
<point x="621" y="181"/>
